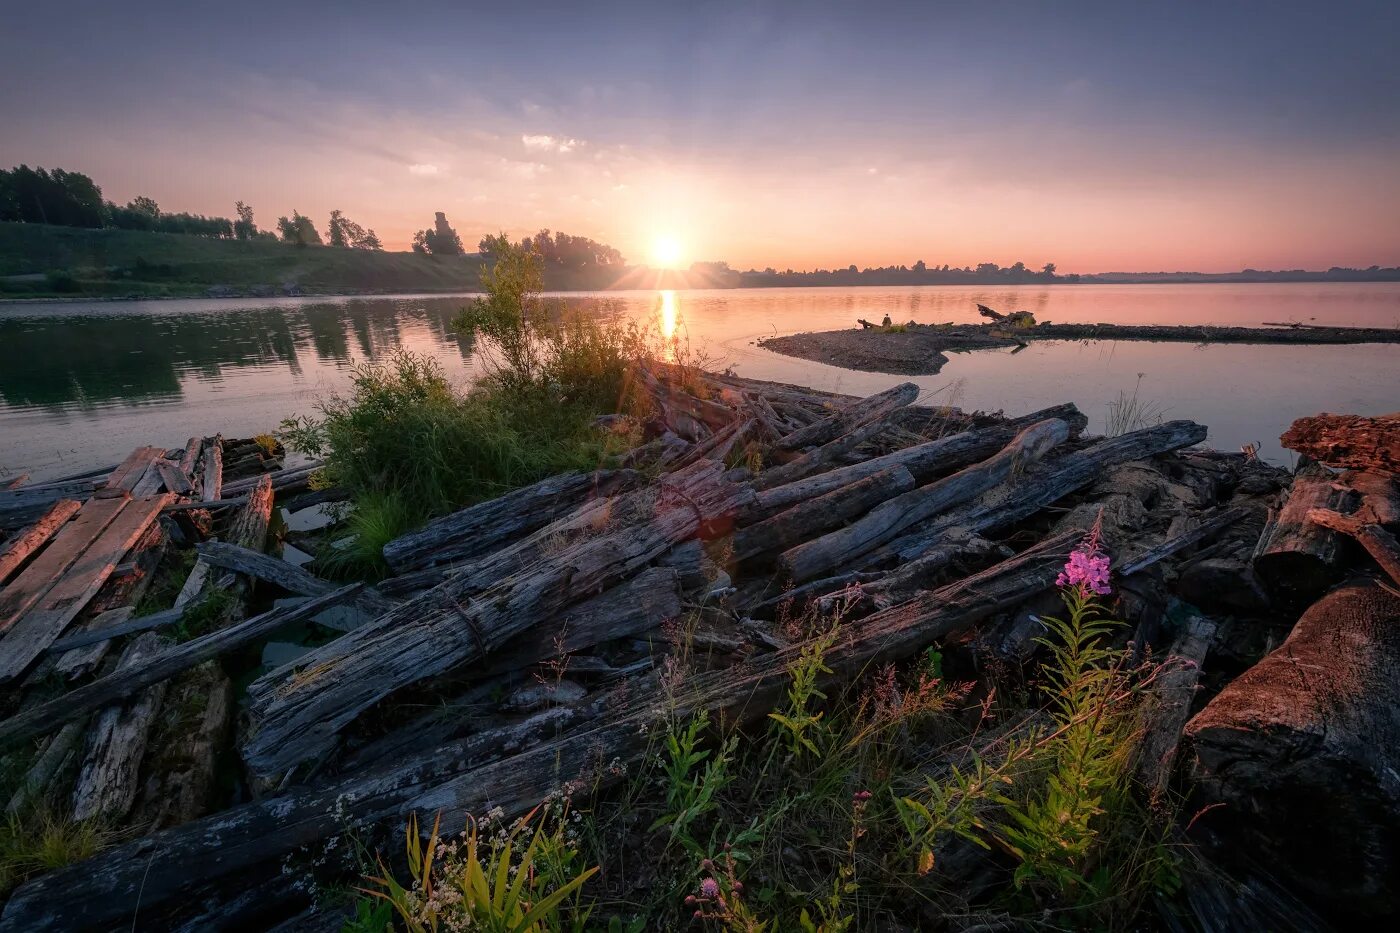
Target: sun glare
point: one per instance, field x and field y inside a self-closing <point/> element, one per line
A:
<point x="666" y="252"/>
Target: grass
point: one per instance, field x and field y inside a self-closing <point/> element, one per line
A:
<point x="41" y="841"/>
<point x="1131" y="412"/>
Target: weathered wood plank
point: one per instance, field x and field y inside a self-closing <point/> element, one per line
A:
<point x="38" y="628"/>
<point x="1169" y="699"/>
<point x="18" y="549"/>
<point x="190" y="457"/>
<point x="113" y="687"/>
<point x="122" y="481"/>
<point x="289" y="577"/>
<point x="83" y="651"/>
<point x="65" y="549"/>
<point x="173" y="478"/>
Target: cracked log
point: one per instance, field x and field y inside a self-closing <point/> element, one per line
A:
<point x="1303" y="749"/>
<point x="1298" y="557"/>
<point x="1348" y="440"/>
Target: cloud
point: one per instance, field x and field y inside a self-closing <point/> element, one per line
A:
<point x="545" y="143"/>
<point x="424" y="170"/>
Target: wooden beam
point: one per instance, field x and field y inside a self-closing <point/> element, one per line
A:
<point x="22" y="546"/>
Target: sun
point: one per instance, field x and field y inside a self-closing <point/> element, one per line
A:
<point x="666" y="252"/>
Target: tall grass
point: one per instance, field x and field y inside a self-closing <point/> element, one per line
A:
<point x="1131" y="412"/>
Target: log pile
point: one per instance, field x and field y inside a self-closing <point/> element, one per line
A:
<point x="547" y="612"/>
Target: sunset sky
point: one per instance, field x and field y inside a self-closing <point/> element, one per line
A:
<point x="1100" y="136"/>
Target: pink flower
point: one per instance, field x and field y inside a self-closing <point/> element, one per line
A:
<point x="709" y="888"/>
<point x="1086" y="568"/>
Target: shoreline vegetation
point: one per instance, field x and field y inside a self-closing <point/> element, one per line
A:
<point x="913" y="349"/>
<point x="614" y="641"/>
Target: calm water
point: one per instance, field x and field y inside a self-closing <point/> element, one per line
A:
<point x="83" y="383"/>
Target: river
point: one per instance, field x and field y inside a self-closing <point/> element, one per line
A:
<point x="82" y="383"/>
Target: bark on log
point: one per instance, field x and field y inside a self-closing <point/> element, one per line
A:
<point x="1348" y="440"/>
<point x="18" y="549"/>
<point x="1304" y="751"/>
<point x="483" y="528"/>
<point x="872" y="408"/>
<point x="468" y="776"/>
<point x="109" y="778"/>
<point x="1300" y="558"/>
<point x="1168" y="703"/>
<point x="189" y="458"/>
<point x="819" y="515"/>
<point x="926" y="461"/>
<point x="1042" y="485"/>
<point x="296" y="718"/>
<point x="884" y="522"/>
<point x="1378" y="542"/>
<point x="1380" y="495"/>
<point x="117" y="686"/>
<point x="906" y="582"/>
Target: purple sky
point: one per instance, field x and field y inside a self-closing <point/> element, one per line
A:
<point x="1099" y="136"/>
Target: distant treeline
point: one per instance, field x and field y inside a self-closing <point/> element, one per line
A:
<point x="72" y="199"/>
<point x="920" y="273"/>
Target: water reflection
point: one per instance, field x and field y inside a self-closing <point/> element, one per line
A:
<point x="668" y="304"/>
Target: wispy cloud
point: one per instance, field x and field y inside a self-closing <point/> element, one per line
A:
<point x="546" y="143"/>
<point x="424" y="170"/>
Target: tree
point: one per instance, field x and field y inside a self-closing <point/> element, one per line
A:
<point x="243" y="227"/>
<point x="440" y="240"/>
<point x="367" y="240"/>
<point x="299" y="230"/>
<point x="38" y="196"/>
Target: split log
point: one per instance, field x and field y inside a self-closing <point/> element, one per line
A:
<point x="108" y="781"/>
<point x="212" y="483"/>
<point x="1300" y="557"/>
<point x="470" y="775"/>
<point x="819" y="515"/>
<point x="53" y="760"/>
<point x="873" y="408"/>
<point x="1041" y="485"/>
<point x="719" y="445"/>
<point x="1348" y="441"/>
<point x="926" y="461"/>
<point x="1168" y="703"/>
<point x="113" y="687"/>
<point x="1304" y="751"/>
<point x="44" y="623"/>
<point x="1378" y="542"/>
<point x="296" y="718"/>
<point x="884" y="522"/>
<point x="487" y="526"/>
<point x="22" y="546"/>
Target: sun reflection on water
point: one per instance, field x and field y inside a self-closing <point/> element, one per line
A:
<point x="669" y="306"/>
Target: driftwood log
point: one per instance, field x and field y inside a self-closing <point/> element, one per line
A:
<point x="873" y="408"/>
<point x="817" y="516"/>
<point x="814" y="558"/>
<point x="1304" y="751"/>
<point x="1348" y="440"/>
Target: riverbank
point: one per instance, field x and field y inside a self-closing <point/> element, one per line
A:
<point x="873" y="572"/>
<point x="921" y="349"/>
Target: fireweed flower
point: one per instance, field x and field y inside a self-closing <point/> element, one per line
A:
<point x="1087" y="568"/>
